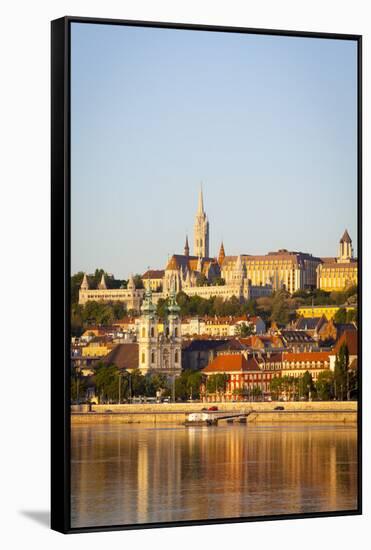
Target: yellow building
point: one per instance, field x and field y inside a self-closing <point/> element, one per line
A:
<point x="282" y="269"/>
<point x="153" y="278"/>
<point x="319" y="311"/>
<point x="97" y="349"/>
<point x="337" y="274"/>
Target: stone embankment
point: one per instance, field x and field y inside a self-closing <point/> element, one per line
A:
<point x="176" y="413"/>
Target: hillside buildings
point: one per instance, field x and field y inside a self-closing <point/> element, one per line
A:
<point x="130" y="296"/>
<point x="336" y="274"/>
<point x="241" y="276"/>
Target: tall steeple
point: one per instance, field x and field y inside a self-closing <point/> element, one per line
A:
<point x="201" y="230"/>
<point x="186" y="247"/>
<point x="221" y="254"/>
<point x="200" y="209"/>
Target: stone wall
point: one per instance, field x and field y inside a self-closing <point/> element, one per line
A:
<point x="240" y="406"/>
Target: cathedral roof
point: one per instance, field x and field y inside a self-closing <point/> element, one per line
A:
<point x="153" y="274"/>
<point x="178" y="261"/>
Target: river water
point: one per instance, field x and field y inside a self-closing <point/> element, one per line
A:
<point x="125" y="474"/>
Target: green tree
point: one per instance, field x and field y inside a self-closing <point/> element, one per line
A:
<point x="188" y="385"/>
<point x="138" y="383"/>
<point x="276" y="386"/>
<point x="78" y="386"/>
<point x="306" y="385"/>
<point x="340" y="316"/>
<point x="107" y="381"/>
<point x="218" y="281"/>
<point x="325" y="385"/>
<point x="341" y="373"/>
<point x="280" y="310"/>
<point x="250" y="307"/>
<point x="243" y="330"/>
<point x="352" y="315"/>
<point x="217" y="383"/>
<point x="76" y="281"/>
<point x="138" y="281"/>
<point x="256" y="392"/>
<point x="194" y="380"/>
<point x="202" y="280"/>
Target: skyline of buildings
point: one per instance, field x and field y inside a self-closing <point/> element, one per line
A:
<point x="243" y="276"/>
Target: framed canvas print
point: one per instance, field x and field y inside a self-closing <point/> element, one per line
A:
<point x="206" y="274"/>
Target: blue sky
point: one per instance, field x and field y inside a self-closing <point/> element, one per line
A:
<point x="267" y="123"/>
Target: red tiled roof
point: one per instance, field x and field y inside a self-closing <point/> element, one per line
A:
<point x="153" y="274"/>
<point x="123" y="356"/>
<point x="231" y="363"/>
<point x="350" y="338"/>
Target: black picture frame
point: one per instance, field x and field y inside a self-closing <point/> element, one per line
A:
<point x="60" y="268"/>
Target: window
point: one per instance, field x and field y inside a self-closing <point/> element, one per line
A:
<point x="143" y="357"/>
<point x="152" y="332"/>
<point x="143" y="332"/>
<point x="176" y="332"/>
<point x="176" y="356"/>
<point x="153" y="357"/>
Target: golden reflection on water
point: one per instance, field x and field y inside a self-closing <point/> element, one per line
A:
<point x="125" y="474"/>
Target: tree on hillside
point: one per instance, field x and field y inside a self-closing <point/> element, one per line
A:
<point x="76" y="281"/>
<point x="218" y="281"/>
<point x="138" y="281"/>
<point x="352" y="315"/>
<point x="280" y="311"/>
<point x="340" y="316"/>
<point x="202" y="280"/>
<point x="243" y="330"/>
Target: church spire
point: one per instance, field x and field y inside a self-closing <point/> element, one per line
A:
<point x="85" y="283"/>
<point x="200" y="210"/>
<point x="221" y="254"/>
<point x="201" y="230"/>
<point x="102" y="285"/>
<point x="345" y="249"/>
<point x="186" y="247"/>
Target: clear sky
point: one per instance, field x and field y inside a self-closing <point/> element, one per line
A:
<point x="267" y="123"/>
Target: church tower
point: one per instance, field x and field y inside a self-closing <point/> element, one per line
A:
<point x="345" y="249"/>
<point x="201" y="230"/>
<point x="147" y="335"/>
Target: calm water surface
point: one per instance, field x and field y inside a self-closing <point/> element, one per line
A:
<point x="124" y="474"/>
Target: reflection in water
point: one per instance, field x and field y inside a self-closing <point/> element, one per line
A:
<point x="124" y="474"/>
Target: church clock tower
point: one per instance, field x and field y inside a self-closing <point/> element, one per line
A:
<point x="201" y="230"/>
